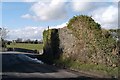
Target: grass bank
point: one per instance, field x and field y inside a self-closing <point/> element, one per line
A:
<point x="89" y="67"/>
<point x="26" y="46"/>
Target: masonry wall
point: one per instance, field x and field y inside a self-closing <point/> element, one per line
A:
<point x="82" y="41"/>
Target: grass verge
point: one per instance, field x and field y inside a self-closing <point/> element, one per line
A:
<point x="26" y="46"/>
<point x="89" y="67"/>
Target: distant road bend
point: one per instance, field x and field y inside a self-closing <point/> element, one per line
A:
<point x="19" y="66"/>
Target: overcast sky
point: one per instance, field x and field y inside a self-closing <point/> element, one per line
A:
<point x="28" y="18"/>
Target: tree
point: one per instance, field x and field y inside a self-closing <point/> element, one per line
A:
<point x="36" y="42"/>
<point x="28" y="41"/>
<point x="8" y="42"/>
<point x="3" y="35"/>
<point x="19" y="40"/>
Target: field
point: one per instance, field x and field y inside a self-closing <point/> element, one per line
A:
<point x="26" y="46"/>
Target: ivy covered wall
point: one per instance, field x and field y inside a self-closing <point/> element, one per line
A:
<point x="51" y="45"/>
<point x="82" y="45"/>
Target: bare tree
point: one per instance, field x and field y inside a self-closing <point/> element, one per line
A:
<point x="3" y="33"/>
<point x="19" y="40"/>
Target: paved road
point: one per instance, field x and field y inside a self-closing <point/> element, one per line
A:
<point x="19" y="66"/>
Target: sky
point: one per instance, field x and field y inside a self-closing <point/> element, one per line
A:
<point x="27" y="19"/>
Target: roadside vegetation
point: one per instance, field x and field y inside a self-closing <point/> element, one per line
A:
<point x="3" y="35"/>
<point x="88" y="67"/>
<point x="101" y="49"/>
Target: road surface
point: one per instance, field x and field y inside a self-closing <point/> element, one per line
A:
<point x="19" y="66"/>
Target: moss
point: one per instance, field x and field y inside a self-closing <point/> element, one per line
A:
<point x="90" y="23"/>
<point x="93" y="43"/>
<point x="101" y="40"/>
<point x="97" y="41"/>
<point x="51" y="45"/>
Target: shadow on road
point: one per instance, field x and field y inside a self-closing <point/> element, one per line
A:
<point x="77" y="78"/>
<point x="22" y="50"/>
<point x="15" y="63"/>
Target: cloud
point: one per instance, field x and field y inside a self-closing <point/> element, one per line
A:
<point x="30" y="32"/>
<point x="45" y="11"/>
<point x="82" y="6"/>
<point x="88" y="6"/>
<point x="23" y="0"/>
<point x="30" y="0"/>
<point x="26" y="33"/>
<point x="27" y="16"/>
<point x="62" y="0"/>
<point x="72" y="0"/>
<point x="59" y="26"/>
<point x="106" y="16"/>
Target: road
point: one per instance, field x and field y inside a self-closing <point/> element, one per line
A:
<point x="19" y="66"/>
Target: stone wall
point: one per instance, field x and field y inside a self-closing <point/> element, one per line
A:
<point x="67" y="42"/>
<point x="66" y="45"/>
<point x="82" y="41"/>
